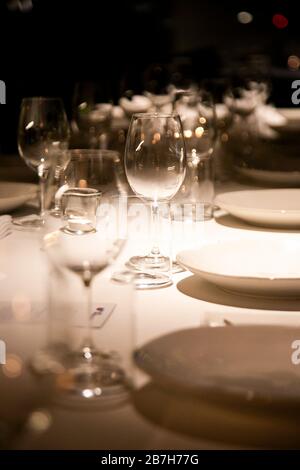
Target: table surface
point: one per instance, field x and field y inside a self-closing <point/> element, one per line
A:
<point x="153" y="418"/>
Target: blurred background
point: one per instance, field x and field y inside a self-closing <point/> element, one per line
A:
<point x="56" y="47"/>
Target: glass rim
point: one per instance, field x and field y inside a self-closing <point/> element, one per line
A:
<point x="75" y="191"/>
<point x="42" y="98"/>
<point x="156" y="115"/>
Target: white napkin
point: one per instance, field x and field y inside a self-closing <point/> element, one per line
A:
<point x="5" y="225"/>
<point x="267" y="117"/>
<point x="137" y="104"/>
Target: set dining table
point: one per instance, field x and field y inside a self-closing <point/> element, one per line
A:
<point x="151" y="417"/>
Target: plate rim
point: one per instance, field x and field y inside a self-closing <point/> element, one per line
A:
<point x="258" y="172"/>
<point x="240" y="277"/>
<point x="276" y="211"/>
<point x="32" y="186"/>
<point x="13" y="202"/>
<point x="214" y="389"/>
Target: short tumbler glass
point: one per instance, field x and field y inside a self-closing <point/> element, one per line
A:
<point x="79" y="209"/>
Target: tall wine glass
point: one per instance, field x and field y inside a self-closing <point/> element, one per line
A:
<point x="92" y="108"/>
<point x="155" y="162"/>
<point x="197" y="113"/>
<point x="42" y="141"/>
<point x="87" y="368"/>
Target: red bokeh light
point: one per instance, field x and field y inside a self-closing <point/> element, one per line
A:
<point x="280" y="21"/>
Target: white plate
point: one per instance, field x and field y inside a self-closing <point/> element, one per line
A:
<point x="281" y="178"/>
<point x="250" y="364"/>
<point x="14" y="195"/>
<point x="253" y="267"/>
<point x="266" y="207"/>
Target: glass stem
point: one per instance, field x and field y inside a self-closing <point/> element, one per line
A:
<point x="155" y="252"/>
<point x="42" y="196"/>
<point x="88" y="342"/>
<point x="57" y="186"/>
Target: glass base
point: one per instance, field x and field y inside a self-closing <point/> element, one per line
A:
<point x="29" y="222"/>
<point x="149" y="262"/>
<point x="96" y="379"/>
<point x="142" y="279"/>
<point x="56" y="212"/>
<point x="93" y="378"/>
<point x="77" y="232"/>
<point x="176" y="268"/>
<point x="93" y="381"/>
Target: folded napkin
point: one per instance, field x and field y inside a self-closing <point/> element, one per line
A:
<point x="5" y="225"/>
<point x="137" y="104"/>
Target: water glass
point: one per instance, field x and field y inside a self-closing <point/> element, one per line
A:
<point x="79" y="208"/>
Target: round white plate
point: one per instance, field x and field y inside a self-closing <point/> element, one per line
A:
<point x="14" y="195"/>
<point x="280" y="178"/>
<point x="253" y="267"/>
<point x="265" y="207"/>
<point x="250" y="364"/>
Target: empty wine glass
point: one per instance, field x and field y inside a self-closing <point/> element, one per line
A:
<point x="87" y="368"/>
<point x="42" y="141"/>
<point x="197" y="113"/>
<point x="155" y="162"/>
<point x="92" y="113"/>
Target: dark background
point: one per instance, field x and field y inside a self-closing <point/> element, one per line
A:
<point x="49" y="45"/>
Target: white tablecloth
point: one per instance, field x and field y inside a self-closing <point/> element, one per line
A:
<point x="155" y="419"/>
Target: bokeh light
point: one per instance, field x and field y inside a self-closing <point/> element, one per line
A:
<point x="280" y="21"/>
<point x="188" y="133"/>
<point x="39" y="421"/>
<point x="13" y="366"/>
<point x="293" y="62"/>
<point x="244" y="17"/>
<point x="199" y="132"/>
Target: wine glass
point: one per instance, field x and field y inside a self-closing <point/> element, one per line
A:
<point x="87" y="368"/>
<point x="92" y="114"/>
<point x="197" y="113"/>
<point x="244" y="99"/>
<point x="155" y="162"/>
<point x="42" y="141"/>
